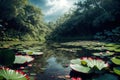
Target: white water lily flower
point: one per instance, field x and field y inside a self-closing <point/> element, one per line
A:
<point x="86" y="65"/>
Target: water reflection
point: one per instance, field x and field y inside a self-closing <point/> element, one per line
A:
<point x="53" y="70"/>
<point x="52" y="64"/>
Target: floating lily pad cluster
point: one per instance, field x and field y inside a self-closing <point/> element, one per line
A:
<point x="30" y="52"/>
<point x="88" y="65"/>
<point x="8" y="57"/>
<point x="9" y="74"/>
<point x="116" y="61"/>
<point x="103" y="54"/>
<point x="113" y="47"/>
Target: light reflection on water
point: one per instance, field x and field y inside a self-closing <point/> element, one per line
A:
<point x="51" y="65"/>
<point x="53" y="70"/>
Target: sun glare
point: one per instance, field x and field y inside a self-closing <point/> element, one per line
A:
<point x="57" y="5"/>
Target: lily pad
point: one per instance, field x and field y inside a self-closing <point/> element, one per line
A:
<point x="19" y="59"/>
<point x="80" y="68"/>
<point x="86" y="65"/>
<point x="10" y="74"/>
<point x="36" y="53"/>
<point x="29" y="52"/>
<point x="97" y="63"/>
<point x="75" y="61"/>
<point x="104" y="54"/>
<point x="116" y="70"/>
<point x="110" y="45"/>
<point x="111" y="48"/>
<point x="117" y="50"/>
<point x="116" y="60"/>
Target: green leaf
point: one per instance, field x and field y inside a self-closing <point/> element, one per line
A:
<point x="10" y="74"/>
<point x="19" y="59"/>
<point x="116" y="60"/>
<point x="98" y="63"/>
<point x="104" y="54"/>
<point x="86" y="65"/>
<point x="75" y="61"/>
<point x="80" y="68"/>
<point x="117" y="50"/>
<point x="29" y="52"/>
<point x="116" y="70"/>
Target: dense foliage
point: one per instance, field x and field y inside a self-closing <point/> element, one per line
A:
<point x="89" y="18"/>
<point x="19" y="20"/>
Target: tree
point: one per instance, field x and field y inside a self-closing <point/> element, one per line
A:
<point x="90" y="17"/>
<point x="22" y="20"/>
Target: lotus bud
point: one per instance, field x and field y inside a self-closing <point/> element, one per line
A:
<point x="101" y="53"/>
<point x="107" y="51"/>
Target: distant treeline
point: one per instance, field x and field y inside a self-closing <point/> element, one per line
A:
<point x="92" y="19"/>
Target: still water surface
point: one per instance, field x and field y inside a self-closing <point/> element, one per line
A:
<point x="52" y="65"/>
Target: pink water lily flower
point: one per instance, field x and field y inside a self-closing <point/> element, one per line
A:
<point x="84" y="58"/>
<point x="78" y="78"/>
<point x="30" y="65"/>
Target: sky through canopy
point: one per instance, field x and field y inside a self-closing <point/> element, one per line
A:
<point x="52" y="9"/>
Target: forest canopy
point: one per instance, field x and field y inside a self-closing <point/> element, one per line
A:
<point x="19" y="20"/>
<point x="91" y="19"/>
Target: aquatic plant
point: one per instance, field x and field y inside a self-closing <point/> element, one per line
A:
<point x="103" y="54"/>
<point x="30" y="52"/>
<point x="9" y="74"/>
<point x="88" y="65"/>
<point x="116" y="61"/>
<point x="116" y="70"/>
<point x="20" y="59"/>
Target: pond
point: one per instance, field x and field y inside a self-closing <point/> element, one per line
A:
<point x="53" y="64"/>
<point x="53" y="70"/>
